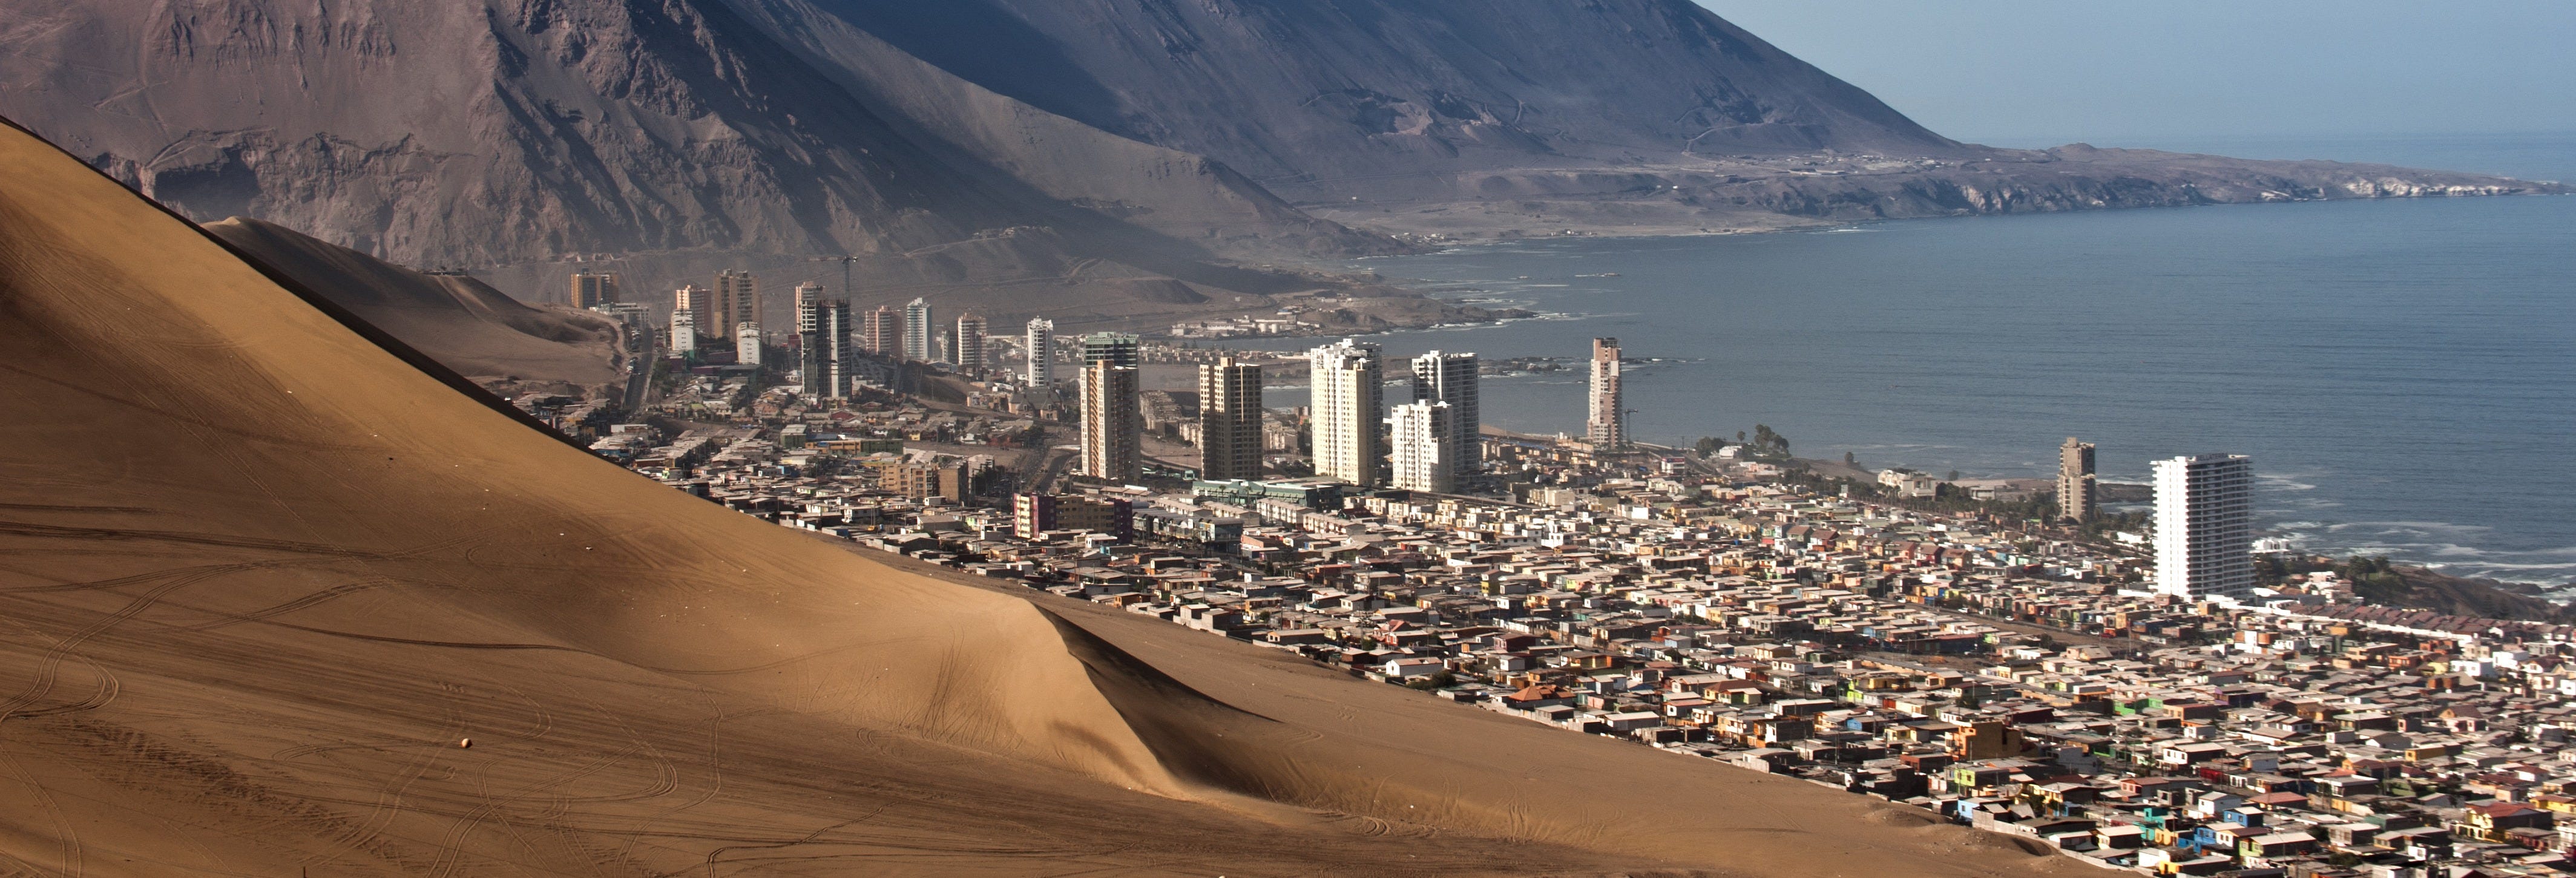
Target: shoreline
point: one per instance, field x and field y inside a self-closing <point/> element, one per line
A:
<point x="1461" y="245"/>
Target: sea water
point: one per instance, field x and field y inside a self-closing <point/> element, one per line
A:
<point x="2403" y="372"/>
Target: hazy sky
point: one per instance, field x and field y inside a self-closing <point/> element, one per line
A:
<point x="2023" y="72"/>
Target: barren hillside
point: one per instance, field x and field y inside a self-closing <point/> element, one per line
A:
<point x="1155" y="138"/>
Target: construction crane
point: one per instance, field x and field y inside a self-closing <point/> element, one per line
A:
<point x="845" y="261"/>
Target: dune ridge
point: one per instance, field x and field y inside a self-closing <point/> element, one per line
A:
<point x="265" y="570"/>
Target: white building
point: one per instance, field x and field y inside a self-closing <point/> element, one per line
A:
<point x="1349" y="401"/>
<point x="746" y="343"/>
<point x="1909" y="484"/>
<point x="1451" y="378"/>
<point x="920" y="337"/>
<point x="1041" y="352"/>
<point x="970" y="354"/>
<point x="1424" y="437"/>
<point x="684" y="332"/>
<point x="2205" y="526"/>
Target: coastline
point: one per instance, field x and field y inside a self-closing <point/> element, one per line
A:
<point x="2380" y="582"/>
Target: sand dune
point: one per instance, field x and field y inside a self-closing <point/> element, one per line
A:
<point x="457" y="320"/>
<point x="261" y="575"/>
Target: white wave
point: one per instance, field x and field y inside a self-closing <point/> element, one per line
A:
<point x="2425" y="528"/>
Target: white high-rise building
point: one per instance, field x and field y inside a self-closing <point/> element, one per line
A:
<point x="970" y="342"/>
<point x="1349" y="402"/>
<point x="746" y="344"/>
<point x="2205" y="526"/>
<point x="920" y="338"/>
<point x="1607" y="428"/>
<point x="1451" y="378"/>
<point x="1041" y="349"/>
<point x="684" y="332"/>
<point x="1424" y="434"/>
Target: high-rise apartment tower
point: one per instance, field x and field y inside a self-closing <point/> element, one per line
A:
<point x="1349" y="404"/>
<point x="883" y="334"/>
<point x="1113" y="425"/>
<point x="2205" y="526"/>
<point x="1422" y="436"/>
<point x="684" y="331"/>
<point x="1608" y="426"/>
<point x="920" y="340"/>
<point x="1040" y="344"/>
<point x="1451" y="378"/>
<point x="1119" y="348"/>
<point x="970" y="342"/>
<point x="1229" y="420"/>
<point x="700" y="305"/>
<point x="2078" y="496"/>
<point x="823" y="342"/>
<point x="737" y="299"/>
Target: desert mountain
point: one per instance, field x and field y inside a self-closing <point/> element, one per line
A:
<point x="1309" y="91"/>
<point x="507" y="132"/>
<point x="457" y="320"/>
<point x="1020" y="148"/>
<point x="271" y="573"/>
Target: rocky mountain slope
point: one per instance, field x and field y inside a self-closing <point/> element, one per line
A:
<point x="1140" y="138"/>
<point x="516" y="130"/>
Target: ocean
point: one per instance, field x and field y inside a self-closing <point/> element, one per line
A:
<point x="2403" y="372"/>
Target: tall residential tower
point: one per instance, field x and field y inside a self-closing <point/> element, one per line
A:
<point x="1349" y="403"/>
<point x="1113" y="426"/>
<point x="1118" y="348"/>
<point x="1229" y="420"/>
<point x="1608" y="426"/>
<point x="970" y="342"/>
<point x="737" y="300"/>
<point x="883" y="334"/>
<point x="823" y="342"/>
<point x="920" y="338"/>
<point x="1040" y="346"/>
<point x="2078" y="496"/>
<point x="2205" y="526"/>
<point x="1451" y="378"/>
<point x="700" y="305"/>
<point x="1422" y="436"/>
